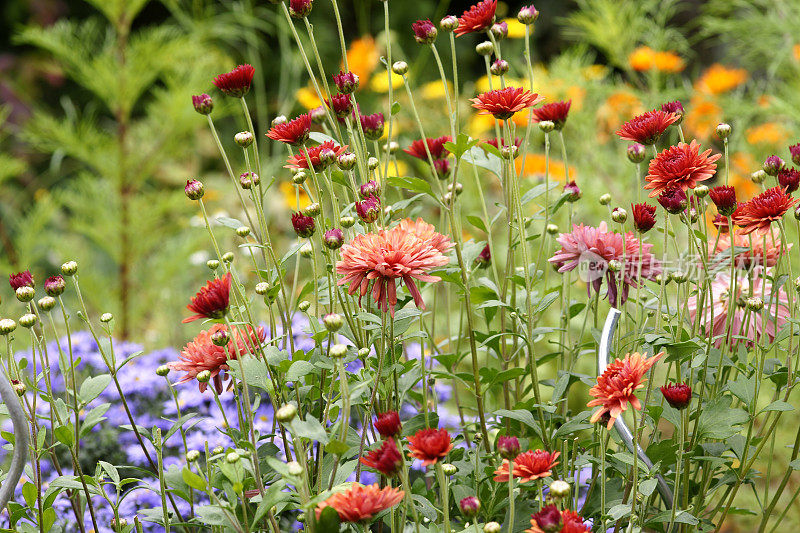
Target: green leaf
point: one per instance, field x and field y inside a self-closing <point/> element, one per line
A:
<point x="321" y="137"/>
<point x="718" y="421"/>
<point x="311" y="429"/>
<point x="395" y="108"/>
<point x="29" y="493"/>
<point x="65" y="435"/>
<point x="521" y="415"/>
<point x="744" y="389"/>
<point x="337" y="447"/>
<point x="490" y="162"/>
<point x="412" y="184"/>
<point x="229" y="222"/>
<point x="462" y="144"/>
<point x="193" y="480"/>
<point x="328" y="520"/>
<point x="48" y="519"/>
<point x="92" y="387"/>
<point x="298" y="370"/>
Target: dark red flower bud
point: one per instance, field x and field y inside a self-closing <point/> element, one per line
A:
<point x="644" y="217"/>
<point x="789" y="179"/>
<point x="341" y="105"/>
<point x="370" y="188"/>
<point x="300" y="8"/>
<point x="194" y="189"/>
<point x="333" y="239"/>
<point x="237" y="82"/>
<point x="721" y="223"/>
<point x="636" y="153"/>
<point x="318" y="114"/>
<point x="372" y="126"/>
<point x="369" y="209"/>
<point x="499" y="30"/>
<point x="303" y="225"/>
<point x="424" y="31"/>
<point x="442" y="167"/>
<point x="548" y="519"/>
<point x="388" y="424"/>
<point x="470" y="506"/>
<point x="203" y="103"/>
<point x="673" y="200"/>
<point x="346" y="82"/>
<point x="674" y="107"/>
<point x="795" y="151"/>
<point x="724" y="197"/>
<point x="773" y="164"/>
<point x="678" y="395"/>
<point x="573" y="191"/>
<point x="54" y="286"/>
<point x="21" y="279"/>
<point x="508" y="447"/>
<point x="484" y="258"/>
<point x="386" y="459"/>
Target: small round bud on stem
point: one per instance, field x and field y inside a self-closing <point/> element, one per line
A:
<point x="27" y="320"/>
<point x="551" y="229"/>
<point x="192" y="456"/>
<point x="228" y="257"/>
<point x="243" y="139"/>
<point x="194" y="189"/>
<point x="679" y="277"/>
<point x="203" y="104"/>
<point x="528" y="15"/>
<point x="338" y="351"/>
<point x="55" y="286"/>
<point x="614" y="265"/>
<point x="7" y="326"/>
<point x="19" y="387"/>
<point x="508" y="447"/>
<point x="212" y="264"/>
<point x="217" y="450"/>
<point x="299" y="178"/>
<point x="458" y="188"/>
<point x="485" y="48"/>
<point x="391" y="147"/>
<point x="242" y="231"/>
<point x="559" y="489"/>
<point x="754" y="303"/>
<point x="333" y="239"/>
<point x="286" y="413"/>
<point x="312" y="210"/>
<point x="701" y="191"/>
<point x="47" y="303"/>
<point x="306" y="250"/>
<point x="547" y="126"/>
<point x="499" y="67"/>
<point x="105" y="318"/>
<point x="162" y="371"/>
<point x="333" y="321"/>
<point x="304" y="306"/>
<point x="723" y="130"/>
<point x="280" y="119"/>
<point x="364" y="352"/>
<point x="347" y="221"/>
<point x="509" y="152"/>
<point x="636" y="153"/>
<point x="70" y="268"/>
<point x="448" y="469"/>
<point x="499" y="30"/>
<point x="604" y="199"/>
<point x="25" y="294"/>
<point x="448" y="24"/>
<point x="221" y="337"/>
<point x="295" y="469"/>
<point x="492" y="527"/>
<point x="619" y="215"/>
<point x="758" y="176"/>
<point x="470" y="506"/>
<point x="262" y="288"/>
<point x="232" y="458"/>
<point x="204" y="376"/>
<point x="346" y="160"/>
<point x="373" y="163"/>
<point x="400" y="68"/>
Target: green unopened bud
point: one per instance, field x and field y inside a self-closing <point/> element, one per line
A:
<point x="614" y="265"/>
<point x="373" y="163"/>
<point x="486" y="48"/>
<point x="758" y="176"/>
<point x="70" y="268"/>
<point x="347" y="222"/>
<point x="679" y="277"/>
<point x="312" y="210"/>
<point x="338" y="351"/>
<point x="363" y="352"/>
<point x="449" y="23"/>
<point x="547" y="126"/>
<point x="47" y="303"/>
<point x="604" y="199"/>
<point x="400" y="67"/>
<point x="7" y="326"/>
<point x="304" y="305"/>
<point x="551" y="229"/>
<point x="243" y="139"/>
<point x="25" y="294"/>
<point x="192" y="456"/>
<point x="232" y="458"/>
<point x="228" y="257"/>
<point x="391" y="147"/>
<point x="723" y="130"/>
<point x="492" y="527"/>
<point x="217" y="450"/>
<point x="242" y="231"/>
<point x="332" y="321"/>
<point x="262" y="288"/>
<point x="204" y="376"/>
<point x="221" y="337"/>
<point x="27" y="320"/>
<point x="212" y="264"/>
<point x="286" y="413"/>
<point x="306" y="251"/>
<point x="448" y="469"/>
<point x="754" y="303"/>
<point x="295" y="468"/>
<point x="162" y="370"/>
<point x="559" y="489"/>
<point x="105" y="318"/>
<point x="619" y="215"/>
<point x="299" y="178"/>
<point x="302" y="516"/>
<point x="701" y="191"/>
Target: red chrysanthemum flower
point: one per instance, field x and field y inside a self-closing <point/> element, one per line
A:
<point x="406" y="252"/>
<point x="202" y="354"/>
<point x="386" y="459"/>
<point x="648" y="127"/>
<point x="361" y="503"/>
<point x="299" y="161"/>
<point x="616" y="387"/>
<point x="341" y="105"/>
<point x="435" y="146"/>
<point x="674" y="200"/>
<point x="528" y="466"/>
<point x="760" y="212"/>
<point x="211" y="301"/>
<point x="430" y="445"/>
<point x="424" y="31"/>
<point x="644" y="217"/>
<point x="294" y="132"/>
<point x="724" y="197"/>
<point x="21" y="279"/>
<point x="303" y="225"/>
<point x="476" y="18"/>
<point x="237" y="82"/>
<point x="678" y="395"/>
<point x="789" y="179"/>
<point x="388" y="424"/>
<point x="680" y="166"/>
<point x="346" y="82"/>
<point x="555" y="112"/>
<point x="503" y="103"/>
<point x="550" y="518"/>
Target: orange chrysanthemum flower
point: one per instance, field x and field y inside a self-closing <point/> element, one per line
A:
<point x="617" y="386"/>
<point x="528" y="466"/>
<point x="430" y="445"/>
<point x="669" y="62"/>
<point x="360" y="503"/>
<point x="718" y="79"/>
<point x="406" y="252"/>
<point x="202" y="354"/>
<point x="503" y="103"/>
<point x="760" y="212"/>
<point x="680" y="166"/>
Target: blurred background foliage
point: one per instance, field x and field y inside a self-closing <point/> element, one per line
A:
<point x="97" y="133"/>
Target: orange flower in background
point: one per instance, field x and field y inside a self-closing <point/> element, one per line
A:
<point x="645" y="58"/>
<point x="534" y="165"/>
<point x="360" y="503"/>
<point x="742" y="165"/>
<point x="618" y="107"/>
<point x="616" y="387"/>
<point x="529" y="466"/>
<point x="796" y="52"/>
<point x="719" y="79"/>
<point x="669" y="62"/>
<point x="768" y="133"/>
<point x="702" y="116"/>
<point x="362" y="58"/>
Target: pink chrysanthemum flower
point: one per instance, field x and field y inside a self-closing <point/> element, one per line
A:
<point x="647" y="127"/>
<point x="237" y="82"/>
<point x="407" y="252"/>
<point x="680" y="166"/>
<point x="476" y="18"/>
<point x="764" y="251"/>
<point x="503" y="103"/>
<point x="592" y="249"/>
<point x="616" y="387"/>
<point x="294" y="132"/>
<point x="202" y="354"/>
<point x="748" y="329"/>
<point x="299" y="161"/>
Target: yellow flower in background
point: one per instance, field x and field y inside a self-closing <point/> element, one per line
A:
<point x="645" y="58"/>
<point x="594" y="72"/>
<point x="397" y="168"/>
<point x="480" y="124"/>
<point x="435" y="90"/>
<point x="516" y="29"/>
<point x="289" y="193"/>
<point x="702" y="116"/>
<point x="380" y="82"/>
<point x="362" y="58"/>
<point x="307" y="97"/>
<point x="618" y="108"/>
<point x="768" y="133"/>
<point x="535" y="165"/>
<point x="718" y="79"/>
